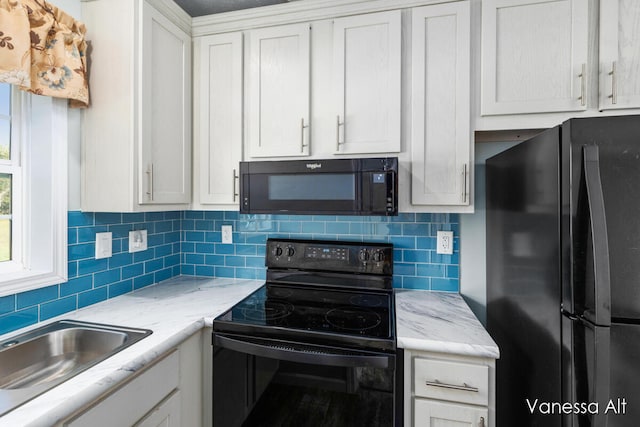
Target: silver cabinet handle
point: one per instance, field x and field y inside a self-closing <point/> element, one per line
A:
<point x="302" y="128"/>
<point x="150" y="179"/>
<point x="235" y="192"/>
<point x="464" y="183"/>
<point x="614" y="83"/>
<point x="481" y="421"/>
<point x="463" y="387"/>
<point x="338" y="124"/>
<point x="583" y="85"/>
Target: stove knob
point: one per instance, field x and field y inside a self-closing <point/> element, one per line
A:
<point x="290" y="251"/>
<point x="363" y="256"/>
<point x="378" y="256"/>
<point x="277" y="251"/>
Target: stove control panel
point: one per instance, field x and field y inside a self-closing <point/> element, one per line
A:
<point x="355" y="257"/>
<point x="328" y="253"/>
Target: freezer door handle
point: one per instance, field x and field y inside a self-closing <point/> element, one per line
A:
<point x="601" y="314"/>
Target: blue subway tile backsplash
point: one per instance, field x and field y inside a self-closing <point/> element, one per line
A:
<point x="417" y="266"/>
<point x="190" y="243"/>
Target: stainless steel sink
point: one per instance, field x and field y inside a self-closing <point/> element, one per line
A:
<point x="34" y="362"/>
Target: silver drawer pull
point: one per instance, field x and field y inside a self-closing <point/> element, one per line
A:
<point x="463" y="387"/>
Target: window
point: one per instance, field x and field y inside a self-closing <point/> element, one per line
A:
<point x="9" y="184"/>
<point x="33" y="191"/>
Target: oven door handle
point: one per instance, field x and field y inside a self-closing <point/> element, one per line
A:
<point x="315" y="355"/>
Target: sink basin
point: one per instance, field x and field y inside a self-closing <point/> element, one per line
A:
<point x="34" y="362"/>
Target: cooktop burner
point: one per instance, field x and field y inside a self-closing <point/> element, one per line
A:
<point x="353" y="319"/>
<point x="269" y="312"/>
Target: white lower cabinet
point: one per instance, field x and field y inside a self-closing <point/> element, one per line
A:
<point x="449" y="390"/>
<point x="437" y="414"/>
<point x="168" y="393"/>
<point x="165" y="414"/>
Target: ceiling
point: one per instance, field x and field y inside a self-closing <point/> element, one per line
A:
<point x="208" y="7"/>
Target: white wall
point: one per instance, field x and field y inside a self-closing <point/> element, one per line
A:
<point x="473" y="282"/>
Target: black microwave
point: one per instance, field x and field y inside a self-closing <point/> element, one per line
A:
<point x="365" y="186"/>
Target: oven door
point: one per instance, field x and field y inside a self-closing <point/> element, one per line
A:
<point x="266" y="382"/>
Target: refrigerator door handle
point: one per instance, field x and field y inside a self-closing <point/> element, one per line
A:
<point x="602" y="280"/>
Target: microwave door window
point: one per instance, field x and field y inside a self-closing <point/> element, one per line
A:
<point x="320" y="193"/>
<point x="326" y="187"/>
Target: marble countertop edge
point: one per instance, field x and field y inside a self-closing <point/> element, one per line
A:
<point x="420" y="344"/>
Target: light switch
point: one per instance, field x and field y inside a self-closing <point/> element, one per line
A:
<point x="103" y="245"/>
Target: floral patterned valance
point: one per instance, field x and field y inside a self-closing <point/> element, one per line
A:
<point x="42" y="50"/>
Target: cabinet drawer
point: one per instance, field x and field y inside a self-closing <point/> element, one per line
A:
<point x="453" y="381"/>
<point x="132" y="401"/>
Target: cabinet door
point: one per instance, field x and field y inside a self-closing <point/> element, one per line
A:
<point x="619" y="54"/>
<point x="278" y="91"/>
<point x="164" y="170"/>
<point x="534" y="55"/>
<point x="219" y="142"/>
<point x="367" y="66"/>
<point x="441" y="130"/>
<point x="428" y="413"/>
<point x="166" y="414"/>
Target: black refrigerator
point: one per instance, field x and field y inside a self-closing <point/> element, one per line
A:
<point x="563" y="275"/>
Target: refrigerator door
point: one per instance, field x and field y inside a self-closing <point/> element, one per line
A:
<point x="586" y="373"/>
<point x="602" y="374"/>
<point x="619" y="170"/>
<point x="624" y="405"/>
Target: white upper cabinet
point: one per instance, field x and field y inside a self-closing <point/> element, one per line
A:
<point x="137" y="132"/>
<point x="440" y="111"/>
<point x="218" y="142"/>
<point x="278" y="91"/>
<point x="367" y="76"/>
<point x="534" y="56"/>
<point x="165" y="108"/>
<point x="619" y="54"/>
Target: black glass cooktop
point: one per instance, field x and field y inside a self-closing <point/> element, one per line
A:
<point x="340" y="312"/>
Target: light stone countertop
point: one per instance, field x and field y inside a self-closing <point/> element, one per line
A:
<point x="178" y="308"/>
<point x="174" y="310"/>
<point x="440" y="322"/>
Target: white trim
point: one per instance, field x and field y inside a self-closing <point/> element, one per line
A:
<point x="294" y="12"/>
<point x="44" y="121"/>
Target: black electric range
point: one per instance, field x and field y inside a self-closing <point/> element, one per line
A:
<point x="323" y="319"/>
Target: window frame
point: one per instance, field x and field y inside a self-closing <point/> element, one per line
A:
<point x="40" y="128"/>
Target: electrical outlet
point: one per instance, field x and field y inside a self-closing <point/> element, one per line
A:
<point x="103" y="245"/>
<point x="444" y="244"/>
<point x="227" y="234"/>
<point x="137" y="240"/>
